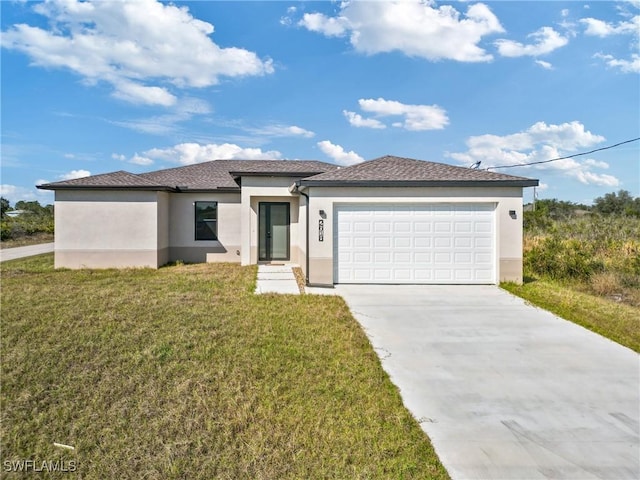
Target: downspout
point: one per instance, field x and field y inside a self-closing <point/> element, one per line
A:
<point x="306" y="272"/>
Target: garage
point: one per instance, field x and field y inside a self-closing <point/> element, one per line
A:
<point x="445" y="243"/>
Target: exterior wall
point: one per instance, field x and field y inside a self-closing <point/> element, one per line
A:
<point x="508" y="235"/>
<point x="182" y="243"/>
<point x="106" y="229"/>
<point x="268" y="189"/>
<point x="163" y="227"/>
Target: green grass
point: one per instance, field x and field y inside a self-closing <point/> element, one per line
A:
<point x="616" y="321"/>
<point x="183" y="373"/>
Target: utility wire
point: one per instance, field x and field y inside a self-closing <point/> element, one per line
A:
<point x="564" y="158"/>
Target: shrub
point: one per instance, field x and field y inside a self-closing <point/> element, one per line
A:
<point x="561" y="258"/>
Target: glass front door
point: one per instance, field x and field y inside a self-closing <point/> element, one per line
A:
<point x="273" y="231"/>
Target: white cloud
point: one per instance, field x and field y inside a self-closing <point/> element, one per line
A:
<point x="338" y="154"/>
<point x="416" y="117"/>
<point x="185" y="109"/>
<point x="15" y="193"/>
<point x="545" y="65"/>
<point x="415" y="28"/>
<point x="74" y="174"/>
<point x="140" y="160"/>
<point x="190" y="153"/>
<point x="287" y="19"/>
<point x="279" y="130"/>
<point x="358" y="121"/>
<point x="118" y="156"/>
<point x="596" y="163"/>
<point x="537" y="143"/>
<point x="626" y="66"/>
<point x="130" y="45"/>
<point x="564" y="12"/>
<point x="328" y="26"/>
<point x="546" y="40"/>
<point x="600" y="28"/>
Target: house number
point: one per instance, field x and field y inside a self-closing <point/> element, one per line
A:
<point x="321" y="230"/>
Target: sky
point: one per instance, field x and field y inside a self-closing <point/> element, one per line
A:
<point x="90" y="87"/>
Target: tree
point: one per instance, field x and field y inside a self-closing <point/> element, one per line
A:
<point x="5" y="206"/>
<point x="621" y="203"/>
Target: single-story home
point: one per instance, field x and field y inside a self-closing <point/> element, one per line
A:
<point x="389" y="220"/>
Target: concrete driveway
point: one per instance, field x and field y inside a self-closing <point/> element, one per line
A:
<point x="28" y="251"/>
<point x="503" y="389"/>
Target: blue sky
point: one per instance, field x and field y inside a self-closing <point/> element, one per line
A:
<point x="94" y="87"/>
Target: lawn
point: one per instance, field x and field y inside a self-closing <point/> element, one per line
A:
<point x="616" y="321"/>
<point x="182" y="372"/>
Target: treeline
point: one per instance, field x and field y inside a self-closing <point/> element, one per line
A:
<point x="24" y="219"/>
<point x="544" y="213"/>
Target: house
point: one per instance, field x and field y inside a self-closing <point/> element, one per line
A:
<point x="389" y="220"/>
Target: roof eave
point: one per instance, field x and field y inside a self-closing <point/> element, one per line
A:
<point x="52" y="186"/>
<point x="420" y="183"/>
<point x="275" y="174"/>
<point x="208" y="190"/>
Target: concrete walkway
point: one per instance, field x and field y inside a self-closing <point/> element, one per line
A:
<point x="21" y="252"/>
<point x="505" y="390"/>
<point x="276" y="279"/>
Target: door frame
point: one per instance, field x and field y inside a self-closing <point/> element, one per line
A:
<point x="267" y="239"/>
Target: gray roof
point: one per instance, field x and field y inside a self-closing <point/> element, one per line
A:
<point x="221" y="175"/>
<point x="213" y="175"/>
<point x="109" y="180"/>
<point x="398" y="171"/>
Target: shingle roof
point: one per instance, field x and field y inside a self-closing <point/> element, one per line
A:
<point x="213" y="175"/>
<point x="222" y="174"/>
<point x="390" y="170"/>
<point x="114" y="179"/>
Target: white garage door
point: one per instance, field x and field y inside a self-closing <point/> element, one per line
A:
<point x="429" y="243"/>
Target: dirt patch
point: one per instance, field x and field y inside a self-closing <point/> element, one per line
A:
<point x="297" y="271"/>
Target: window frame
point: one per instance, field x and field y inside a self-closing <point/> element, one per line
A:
<point x="197" y="221"/>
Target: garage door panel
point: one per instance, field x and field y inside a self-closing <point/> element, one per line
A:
<point x="422" y="242"/>
<point x="462" y="242"/>
<point x="382" y="227"/>
<point x="442" y="242"/>
<point x="401" y="242"/>
<point x="422" y="258"/>
<point x="414" y="243"/>
<point x="361" y="242"/>
<point x="402" y="257"/>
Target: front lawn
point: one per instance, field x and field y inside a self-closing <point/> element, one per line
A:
<point x="184" y="373"/>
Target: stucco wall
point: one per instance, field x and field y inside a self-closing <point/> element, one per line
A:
<point x="101" y="229"/>
<point x="182" y="242"/>
<point x="509" y="230"/>
<point x="163" y="227"/>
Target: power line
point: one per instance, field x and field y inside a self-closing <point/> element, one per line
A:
<point x="564" y="158"/>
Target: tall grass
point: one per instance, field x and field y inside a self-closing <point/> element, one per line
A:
<point x="601" y="253"/>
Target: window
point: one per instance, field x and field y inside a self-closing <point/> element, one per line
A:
<point x="206" y="220"/>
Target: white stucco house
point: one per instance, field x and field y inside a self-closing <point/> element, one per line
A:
<point x="389" y="220"/>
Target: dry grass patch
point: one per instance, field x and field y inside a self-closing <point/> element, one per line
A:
<point x="184" y="373"/>
<point x="35" y="239"/>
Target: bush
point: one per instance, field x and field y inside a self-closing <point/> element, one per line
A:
<point x="562" y="258"/>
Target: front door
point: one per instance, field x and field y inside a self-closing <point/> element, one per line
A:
<point x="273" y="231"/>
